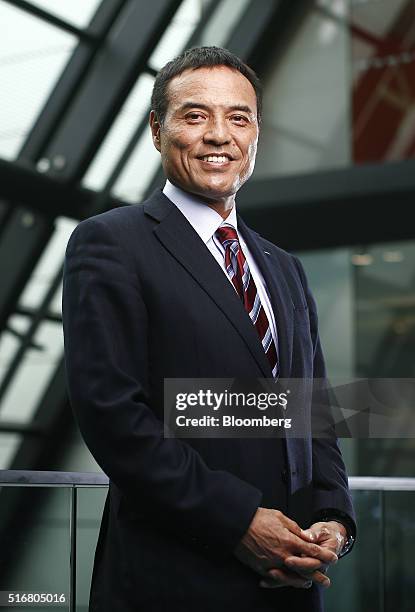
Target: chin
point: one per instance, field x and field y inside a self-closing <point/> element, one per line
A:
<point x="217" y="191"/>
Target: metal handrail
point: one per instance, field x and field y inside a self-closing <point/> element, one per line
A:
<point x="53" y="479"/>
<point x="99" y="479"/>
<point x="381" y="483"/>
<point x="75" y="480"/>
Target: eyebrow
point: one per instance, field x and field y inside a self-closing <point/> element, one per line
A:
<point x="237" y="107"/>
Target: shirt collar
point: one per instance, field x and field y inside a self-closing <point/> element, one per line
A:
<point x="204" y="220"/>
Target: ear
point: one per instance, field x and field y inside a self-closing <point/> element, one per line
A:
<point x="155" y="129"/>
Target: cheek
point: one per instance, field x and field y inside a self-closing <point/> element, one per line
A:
<point x="252" y="148"/>
<point x="181" y="139"/>
<point x="249" y="158"/>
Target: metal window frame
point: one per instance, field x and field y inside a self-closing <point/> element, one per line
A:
<point x="111" y="75"/>
<point x="82" y="33"/>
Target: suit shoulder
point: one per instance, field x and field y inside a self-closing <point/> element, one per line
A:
<point x="121" y="215"/>
<point x="119" y="219"/>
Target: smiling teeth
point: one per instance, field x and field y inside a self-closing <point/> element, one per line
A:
<point x="215" y="158"/>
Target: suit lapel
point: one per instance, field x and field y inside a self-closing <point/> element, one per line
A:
<point x="282" y="307"/>
<point x="177" y="235"/>
<point x="279" y="293"/>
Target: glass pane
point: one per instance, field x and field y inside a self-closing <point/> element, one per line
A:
<point x="32" y="56"/>
<point x="400" y="537"/>
<point x="348" y="591"/>
<point x="130" y="116"/>
<point x="366" y="302"/>
<point x="330" y="275"/>
<point x="90" y="508"/>
<point x="177" y="33"/>
<point x="26" y="389"/>
<point x="48" y="265"/>
<point x="223" y="21"/>
<point x="17" y="326"/>
<point x="34" y="536"/>
<point x="9" y="445"/>
<point x="216" y="31"/>
<point x="385" y="309"/>
<point x="385" y="335"/>
<point x="138" y="171"/>
<point x="341" y="92"/>
<point x="383" y="52"/>
<point x="55" y="306"/>
<point x="77" y="12"/>
<point x="306" y="99"/>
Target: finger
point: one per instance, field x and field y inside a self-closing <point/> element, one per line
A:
<point x="307" y="535"/>
<point x="284" y="577"/>
<point x="303" y="563"/>
<point x="331" y="545"/>
<point x="319" y="577"/>
<point x="314" y="550"/>
<point x="291" y="525"/>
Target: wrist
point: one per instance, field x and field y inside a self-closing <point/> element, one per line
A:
<point x="346" y="537"/>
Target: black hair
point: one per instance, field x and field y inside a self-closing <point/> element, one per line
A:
<point x="199" y="57"/>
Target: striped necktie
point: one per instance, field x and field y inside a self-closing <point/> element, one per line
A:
<point x="238" y="271"/>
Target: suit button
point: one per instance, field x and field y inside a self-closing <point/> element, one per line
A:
<point x="284" y="475"/>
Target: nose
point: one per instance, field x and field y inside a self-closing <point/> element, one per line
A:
<point x="217" y="132"/>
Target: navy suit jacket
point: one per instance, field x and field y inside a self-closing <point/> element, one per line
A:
<point x="144" y="299"/>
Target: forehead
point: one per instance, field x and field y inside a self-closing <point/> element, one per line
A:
<point x="214" y="86"/>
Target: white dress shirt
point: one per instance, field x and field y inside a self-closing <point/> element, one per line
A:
<point x="205" y="221"/>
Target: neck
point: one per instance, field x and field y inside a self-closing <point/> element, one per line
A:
<point x="223" y="208"/>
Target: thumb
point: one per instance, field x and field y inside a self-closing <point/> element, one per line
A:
<point x="308" y="535"/>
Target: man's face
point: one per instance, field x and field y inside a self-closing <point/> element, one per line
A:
<point x="209" y="138"/>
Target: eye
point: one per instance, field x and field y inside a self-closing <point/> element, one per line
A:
<point x="239" y="119"/>
<point x="194" y="116"/>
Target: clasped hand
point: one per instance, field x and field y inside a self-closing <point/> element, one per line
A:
<point x="285" y="555"/>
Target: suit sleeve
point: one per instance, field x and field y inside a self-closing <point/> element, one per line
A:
<point x="331" y="494"/>
<point x="105" y="332"/>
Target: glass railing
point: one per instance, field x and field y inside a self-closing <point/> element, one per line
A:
<point x="49" y="524"/>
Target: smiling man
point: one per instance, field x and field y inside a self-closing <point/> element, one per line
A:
<point x="180" y="287"/>
<point x="209" y="137"/>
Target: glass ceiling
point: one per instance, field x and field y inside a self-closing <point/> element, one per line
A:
<point x="128" y="119"/>
<point x="33" y="55"/>
<point x="77" y="12"/>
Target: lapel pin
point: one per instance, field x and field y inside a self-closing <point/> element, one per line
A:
<point x="267" y="253"/>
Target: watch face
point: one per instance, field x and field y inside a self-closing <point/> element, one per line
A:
<point x="347" y="546"/>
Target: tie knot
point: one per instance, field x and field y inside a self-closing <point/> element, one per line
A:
<point x="226" y="234"/>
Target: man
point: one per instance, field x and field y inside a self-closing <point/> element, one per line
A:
<point x="156" y="291"/>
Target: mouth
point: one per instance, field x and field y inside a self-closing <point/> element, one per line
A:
<point x="221" y="159"/>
